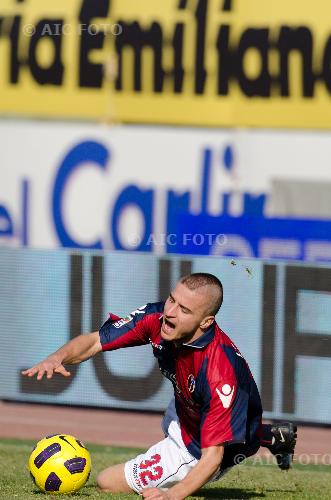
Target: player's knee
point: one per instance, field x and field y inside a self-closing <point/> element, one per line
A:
<point x="104" y="481"/>
<point x="112" y="480"/>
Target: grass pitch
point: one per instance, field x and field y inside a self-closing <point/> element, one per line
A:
<point x="308" y="482"/>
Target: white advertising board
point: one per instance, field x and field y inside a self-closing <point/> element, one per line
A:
<point x="101" y="187"/>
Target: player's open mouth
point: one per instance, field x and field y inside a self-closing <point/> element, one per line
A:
<point x="168" y="326"/>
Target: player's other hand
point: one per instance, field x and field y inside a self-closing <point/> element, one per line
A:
<point x="47" y="367"/>
<point x="155" y="494"/>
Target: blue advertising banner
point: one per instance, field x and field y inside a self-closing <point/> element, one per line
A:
<point x="250" y="236"/>
<point x="159" y="190"/>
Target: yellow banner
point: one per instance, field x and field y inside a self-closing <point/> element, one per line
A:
<point x="186" y="62"/>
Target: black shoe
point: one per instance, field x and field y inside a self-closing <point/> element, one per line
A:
<point x="283" y="443"/>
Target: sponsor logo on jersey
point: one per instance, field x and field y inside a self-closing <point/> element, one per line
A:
<point x="156" y="346"/>
<point x="191" y="383"/>
<point x="225" y="394"/>
<point x="127" y="319"/>
<point x="122" y="322"/>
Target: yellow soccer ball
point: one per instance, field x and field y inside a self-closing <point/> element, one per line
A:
<point x="59" y="464"/>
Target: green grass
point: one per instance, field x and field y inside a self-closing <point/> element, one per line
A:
<point x="307" y="482"/>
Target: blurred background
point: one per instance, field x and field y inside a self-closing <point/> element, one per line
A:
<point x="144" y="140"/>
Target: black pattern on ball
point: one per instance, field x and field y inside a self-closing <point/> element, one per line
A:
<point x="53" y="482"/>
<point x="75" y="465"/>
<point x="80" y="444"/>
<point x="46" y="454"/>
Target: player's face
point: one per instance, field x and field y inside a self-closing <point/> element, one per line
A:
<point x="185" y="315"/>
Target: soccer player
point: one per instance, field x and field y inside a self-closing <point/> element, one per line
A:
<point x="213" y="422"/>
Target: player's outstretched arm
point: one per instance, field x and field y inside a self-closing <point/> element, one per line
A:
<point x="204" y="470"/>
<point x="77" y="350"/>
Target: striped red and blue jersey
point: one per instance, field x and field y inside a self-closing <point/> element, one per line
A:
<point x="217" y="400"/>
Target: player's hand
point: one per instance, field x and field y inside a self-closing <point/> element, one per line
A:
<point x="155" y="494"/>
<point x="48" y="366"/>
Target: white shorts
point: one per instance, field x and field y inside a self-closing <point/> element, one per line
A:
<point x="165" y="463"/>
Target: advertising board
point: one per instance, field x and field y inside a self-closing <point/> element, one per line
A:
<point x="203" y="63"/>
<point x="277" y="314"/>
<point x="166" y="191"/>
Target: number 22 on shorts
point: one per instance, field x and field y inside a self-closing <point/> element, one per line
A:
<point x="155" y="472"/>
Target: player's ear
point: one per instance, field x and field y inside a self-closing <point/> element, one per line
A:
<point x="207" y="322"/>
